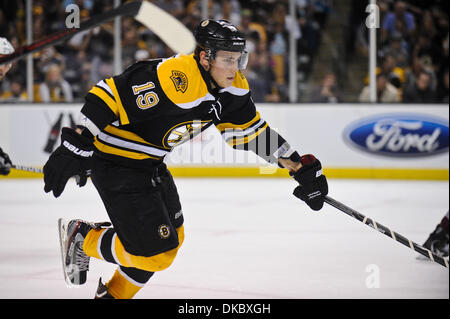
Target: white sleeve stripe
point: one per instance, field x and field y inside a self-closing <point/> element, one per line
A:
<point x="190" y="105"/>
<point x="83" y="120"/>
<point x="234" y="90"/>
<point x="230" y="133"/>
<point x="131" y="146"/>
<point x="105" y="86"/>
<point x="284" y="150"/>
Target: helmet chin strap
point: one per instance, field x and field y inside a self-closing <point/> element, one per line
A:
<point x="212" y="79"/>
<point x="208" y="72"/>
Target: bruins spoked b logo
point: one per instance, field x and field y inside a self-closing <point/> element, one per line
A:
<point x="164" y="231"/>
<point x="183" y="132"/>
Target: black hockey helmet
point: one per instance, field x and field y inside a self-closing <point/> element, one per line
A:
<point x="219" y="35"/>
<point x="212" y="36"/>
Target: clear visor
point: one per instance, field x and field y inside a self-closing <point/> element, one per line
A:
<point x="227" y="60"/>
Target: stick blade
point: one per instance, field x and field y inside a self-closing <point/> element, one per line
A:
<point x="166" y="27"/>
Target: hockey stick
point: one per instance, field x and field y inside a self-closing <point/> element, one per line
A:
<point x="166" y="27"/>
<point x="28" y="168"/>
<point x="41" y="171"/>
<point x="382" y="229"/>
<point x="36" y="169"/>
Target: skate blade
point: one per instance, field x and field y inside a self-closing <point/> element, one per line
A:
<point x="62" y="228"/>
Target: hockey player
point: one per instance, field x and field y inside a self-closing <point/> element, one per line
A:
<point x="5" y="48"/>
<point x="5" y="163"/>
<point x="438" y="241"/>
<point x="129" y="123"/>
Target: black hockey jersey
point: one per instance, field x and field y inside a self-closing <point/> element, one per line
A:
<point x="140" y="115"/>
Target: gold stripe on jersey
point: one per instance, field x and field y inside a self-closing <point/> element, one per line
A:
<point x="246" y="139"/>
<point x="129" y="136"/>
<point x="105" y="98"/>
<point x="123" y="117"/>
<point x="182" y="82"/>
<point x="223" y="126"/>
<point x="120" y="152"/>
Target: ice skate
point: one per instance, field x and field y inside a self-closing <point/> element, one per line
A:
<point x="74" y="261"/>
<point x="102" y="291"/>
<point x="437" y="243"/>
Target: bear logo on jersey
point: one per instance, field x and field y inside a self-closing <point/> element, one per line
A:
<point x="180" y="81"/>
<point x="183" y="132"/>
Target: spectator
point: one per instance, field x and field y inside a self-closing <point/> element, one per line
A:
<point x="252" y="35"/>
<point x="394" y="74"/>
<point x="400" y="21"/>
<point x="417" y="66"/>
<point x="386" y="92"/>
<point x="327" y="92"/>
<point x="397" y="48"/>
<point x="261" y="78"/>
<point x="16" y="91"/>
<point x="46" y="58"/>
<point x="55" y="88"/>
<point x="100" y="47"/>
<point x="229" y="10"/>
<point x="130" y="44"/>
<point x="442" y="95"/>
<point x="421" y="92"/>
<point x="174" y="7"/>
<point x="424" y="48"/>
<point x="278" y="50"/>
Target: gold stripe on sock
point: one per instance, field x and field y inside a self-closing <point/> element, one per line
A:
<point x="90" y="245"/>
<point x="120" y="288"/>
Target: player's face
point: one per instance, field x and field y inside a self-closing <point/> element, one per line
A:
<point x="224" y="67"/>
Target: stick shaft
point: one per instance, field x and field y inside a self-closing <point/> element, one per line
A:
<point x="386" y="231"/>
<point x="130" y="8"/>
<point x="27" y="168"/>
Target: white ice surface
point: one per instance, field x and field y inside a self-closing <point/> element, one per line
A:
<point x="245" y="238"/>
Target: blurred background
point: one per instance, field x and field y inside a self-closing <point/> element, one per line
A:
<point x="362" y="84"/>
<point x="362" y="87"/>
<point x="319" y="56"/>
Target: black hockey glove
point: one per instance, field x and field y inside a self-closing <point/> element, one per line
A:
<point x="71" y="158"/>
<point x="313" y="184"/>
<point x="5" y="163"/>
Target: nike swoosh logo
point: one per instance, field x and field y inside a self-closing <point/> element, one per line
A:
<point x="101" y="294"/>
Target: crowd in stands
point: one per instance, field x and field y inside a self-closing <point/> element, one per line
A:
<point x="65" y="72"/>
<point x="412" y="51"/>
<point x="412" y="47"/>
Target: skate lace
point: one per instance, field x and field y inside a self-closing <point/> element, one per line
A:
<point x="81" y="259"/>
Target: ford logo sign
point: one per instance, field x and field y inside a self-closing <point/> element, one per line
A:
<point x="400" y="135"/>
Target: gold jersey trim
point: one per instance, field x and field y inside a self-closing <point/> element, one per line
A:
<point x="123" y="117"/>
<point x="182" y="82"/>
<point x="120" y="152"/>
<point x="129" y="136"/>
<point x="100" y="93"/>
<point x="224" y="126"/>
<point x="247" y="139"/>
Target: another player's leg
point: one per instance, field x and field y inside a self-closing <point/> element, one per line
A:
<point x="438" y="240"/>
